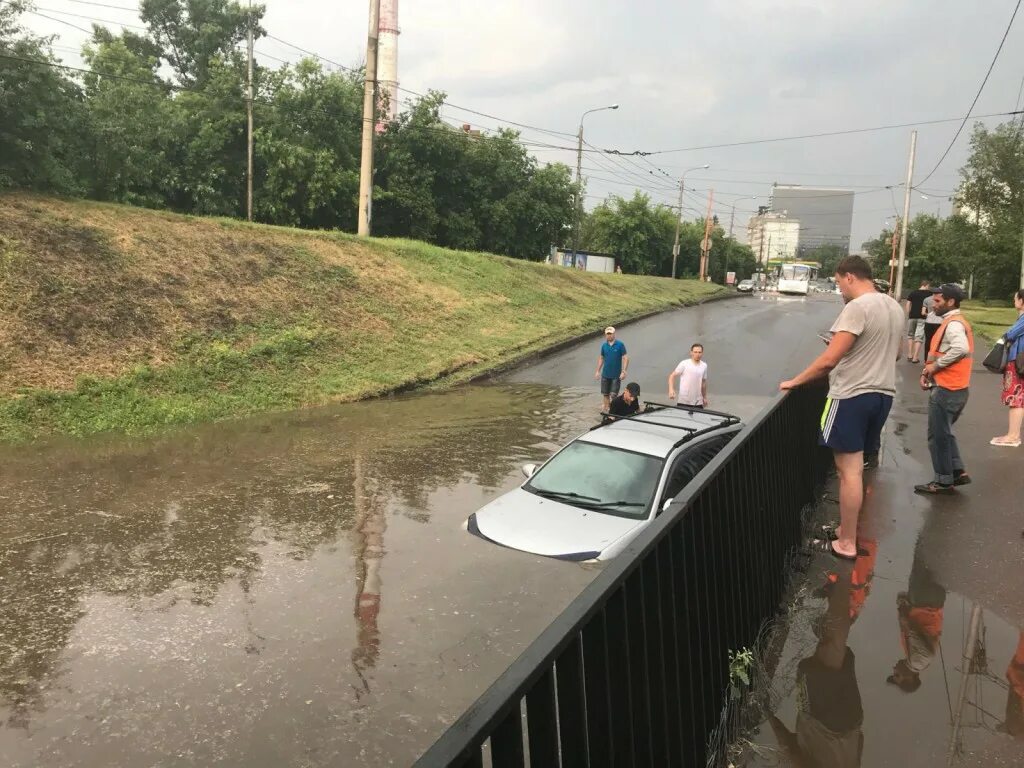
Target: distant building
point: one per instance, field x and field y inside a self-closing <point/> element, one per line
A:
<point x="825" y="215"/>
<point x="773" y="237"/>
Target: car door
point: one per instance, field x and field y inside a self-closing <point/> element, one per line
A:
<point x="690" y="462"/>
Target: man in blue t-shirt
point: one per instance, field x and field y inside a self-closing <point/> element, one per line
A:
<point x="612" y="364"/>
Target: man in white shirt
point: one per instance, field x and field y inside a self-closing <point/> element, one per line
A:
<point x="693" y="380"/>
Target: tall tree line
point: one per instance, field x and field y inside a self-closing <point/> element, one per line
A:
<point x="158" y="119"/>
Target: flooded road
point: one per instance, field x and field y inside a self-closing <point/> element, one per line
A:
<point x="914" y="655"/>
<point x="296" y="589"/>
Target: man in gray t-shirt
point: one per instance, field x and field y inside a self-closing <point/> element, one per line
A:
<point x="861" y="365"/>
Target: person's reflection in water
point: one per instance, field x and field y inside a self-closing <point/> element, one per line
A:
<point x="829" y="717"/>
<point x="919" y="610"/>
<point x="1014" y="724"/>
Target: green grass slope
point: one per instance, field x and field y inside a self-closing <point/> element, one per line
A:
<point x="125" y="319"/>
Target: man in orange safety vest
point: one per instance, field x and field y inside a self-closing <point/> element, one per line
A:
<point x="948" y="376"/>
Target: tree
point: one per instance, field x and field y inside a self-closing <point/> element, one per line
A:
<point x="43" y="131"/>
<point x="993" y="192"/>
<point x="192" y="34"/>
<point x="828" y="256"/>
<point x="639" y="234"/>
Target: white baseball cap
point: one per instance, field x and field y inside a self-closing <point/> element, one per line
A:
<point x="609" y="329"/>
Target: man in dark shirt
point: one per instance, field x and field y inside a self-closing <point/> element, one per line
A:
<point x="628" y="403"/>
<point x="913" y="304"/>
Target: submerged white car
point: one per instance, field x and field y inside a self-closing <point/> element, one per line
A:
<point x="593" y="497"/>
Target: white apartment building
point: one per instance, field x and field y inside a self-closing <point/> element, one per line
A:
<point x="773" y="237"/>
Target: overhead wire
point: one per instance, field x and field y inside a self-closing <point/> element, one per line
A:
<point x="977" y="96"/>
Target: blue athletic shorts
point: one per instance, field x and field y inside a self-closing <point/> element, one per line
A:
<point x="855" y="424"/>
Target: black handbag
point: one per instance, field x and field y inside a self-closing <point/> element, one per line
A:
<point x="1019" y="363"/>
<point x="997" y="359"/>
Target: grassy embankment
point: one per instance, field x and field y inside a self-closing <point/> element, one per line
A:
<point x="988" y="320"/>
<point x="124" y="319"/>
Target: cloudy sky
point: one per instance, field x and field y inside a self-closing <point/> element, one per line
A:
<point x="686" y="75"/>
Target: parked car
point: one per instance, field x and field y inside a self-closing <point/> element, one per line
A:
<point x="595" y="495"/>
<point x="745" y="286"/>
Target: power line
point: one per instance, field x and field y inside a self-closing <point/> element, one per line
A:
<point x="60" y="21"/>
<point x="90" y="18"/>
<point x="800" y="137"/>
<point x="105" y="5"/>
<point x="977" y="95"/>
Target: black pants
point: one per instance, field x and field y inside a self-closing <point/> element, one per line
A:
<point x="929" y="332"/>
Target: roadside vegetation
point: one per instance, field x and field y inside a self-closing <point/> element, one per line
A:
<point x="989" y="319"/>
<point x="126" y="319"/>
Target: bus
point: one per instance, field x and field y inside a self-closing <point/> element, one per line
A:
<point x="795" y="277"/>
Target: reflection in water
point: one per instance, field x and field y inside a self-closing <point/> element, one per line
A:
<point x="177" y="533"/>
<point x="830" y="717"/>
<point x="920" y="612"/>
<point x="370" y="524"/>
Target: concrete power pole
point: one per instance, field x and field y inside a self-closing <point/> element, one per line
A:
<point x="705" y="246"/>
<point x="248" y="107"/>
<point x="578" y="201"/>
<point x="679" y="224"/>
<point x="369" y="121"/>
<point x="898" y="290"/>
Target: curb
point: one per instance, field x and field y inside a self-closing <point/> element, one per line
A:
<point x="535" y="357"/>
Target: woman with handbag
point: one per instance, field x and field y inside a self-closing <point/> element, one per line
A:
<point x="1013" y="378"/>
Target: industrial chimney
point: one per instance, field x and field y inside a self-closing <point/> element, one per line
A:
<point x="387" y="58"/>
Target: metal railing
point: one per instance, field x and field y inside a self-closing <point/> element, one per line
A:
<point x="635" y="671"/>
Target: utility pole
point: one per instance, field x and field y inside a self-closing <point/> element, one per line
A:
<point x="679" y="219"/>
<point x="578" y="207"/>
<point x="679" y="224"/>
<point x="705" y="246"/>
<point x="892" y="257"/>
<point x="578" y="212"/>
<point x="248" y="105"/>
<point x="369" y="121"/>
<point x="898" y="291"/>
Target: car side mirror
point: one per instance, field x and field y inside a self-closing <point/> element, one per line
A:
<point x="528" y="470"/>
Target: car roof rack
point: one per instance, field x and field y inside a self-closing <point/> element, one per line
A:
<point x="691" y="433"/>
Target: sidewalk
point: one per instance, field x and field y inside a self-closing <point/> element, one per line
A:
<point x="930" y="570"/>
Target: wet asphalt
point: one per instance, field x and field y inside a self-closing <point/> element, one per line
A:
<point x="935" y="566"/>
<point x="296" y="589"/>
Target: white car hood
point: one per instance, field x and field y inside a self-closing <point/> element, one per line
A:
<point x="525" y="521"/>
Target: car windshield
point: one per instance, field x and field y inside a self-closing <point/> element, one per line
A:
<point x="600" y="478"/>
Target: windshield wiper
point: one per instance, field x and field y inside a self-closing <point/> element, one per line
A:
<point x="564" y="495"/>
<point x="620" y="504"/>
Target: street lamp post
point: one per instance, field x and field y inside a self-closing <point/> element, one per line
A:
<point x="579" y="180"/>
<point x="679" y="220"/>
<point x="732" y="216"/>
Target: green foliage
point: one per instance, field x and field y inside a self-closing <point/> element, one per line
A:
<point x="984" y="242"/>
<point x="42" y="115"/>
<point x="828" y="256"/>
<point x="740" y="665"/>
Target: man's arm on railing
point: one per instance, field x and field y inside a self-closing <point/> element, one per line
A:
<point x="842" y="342"/>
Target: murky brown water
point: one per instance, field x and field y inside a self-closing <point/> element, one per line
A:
<point x="297" y="590"/>
<point x="291" y="590"/>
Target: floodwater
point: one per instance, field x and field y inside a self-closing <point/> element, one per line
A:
<point x="918" y="687"/>
<point x="297" y="589"/>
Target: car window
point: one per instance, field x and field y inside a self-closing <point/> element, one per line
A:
<point x="601" y="478"/>
<point x="693" y="461"/>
